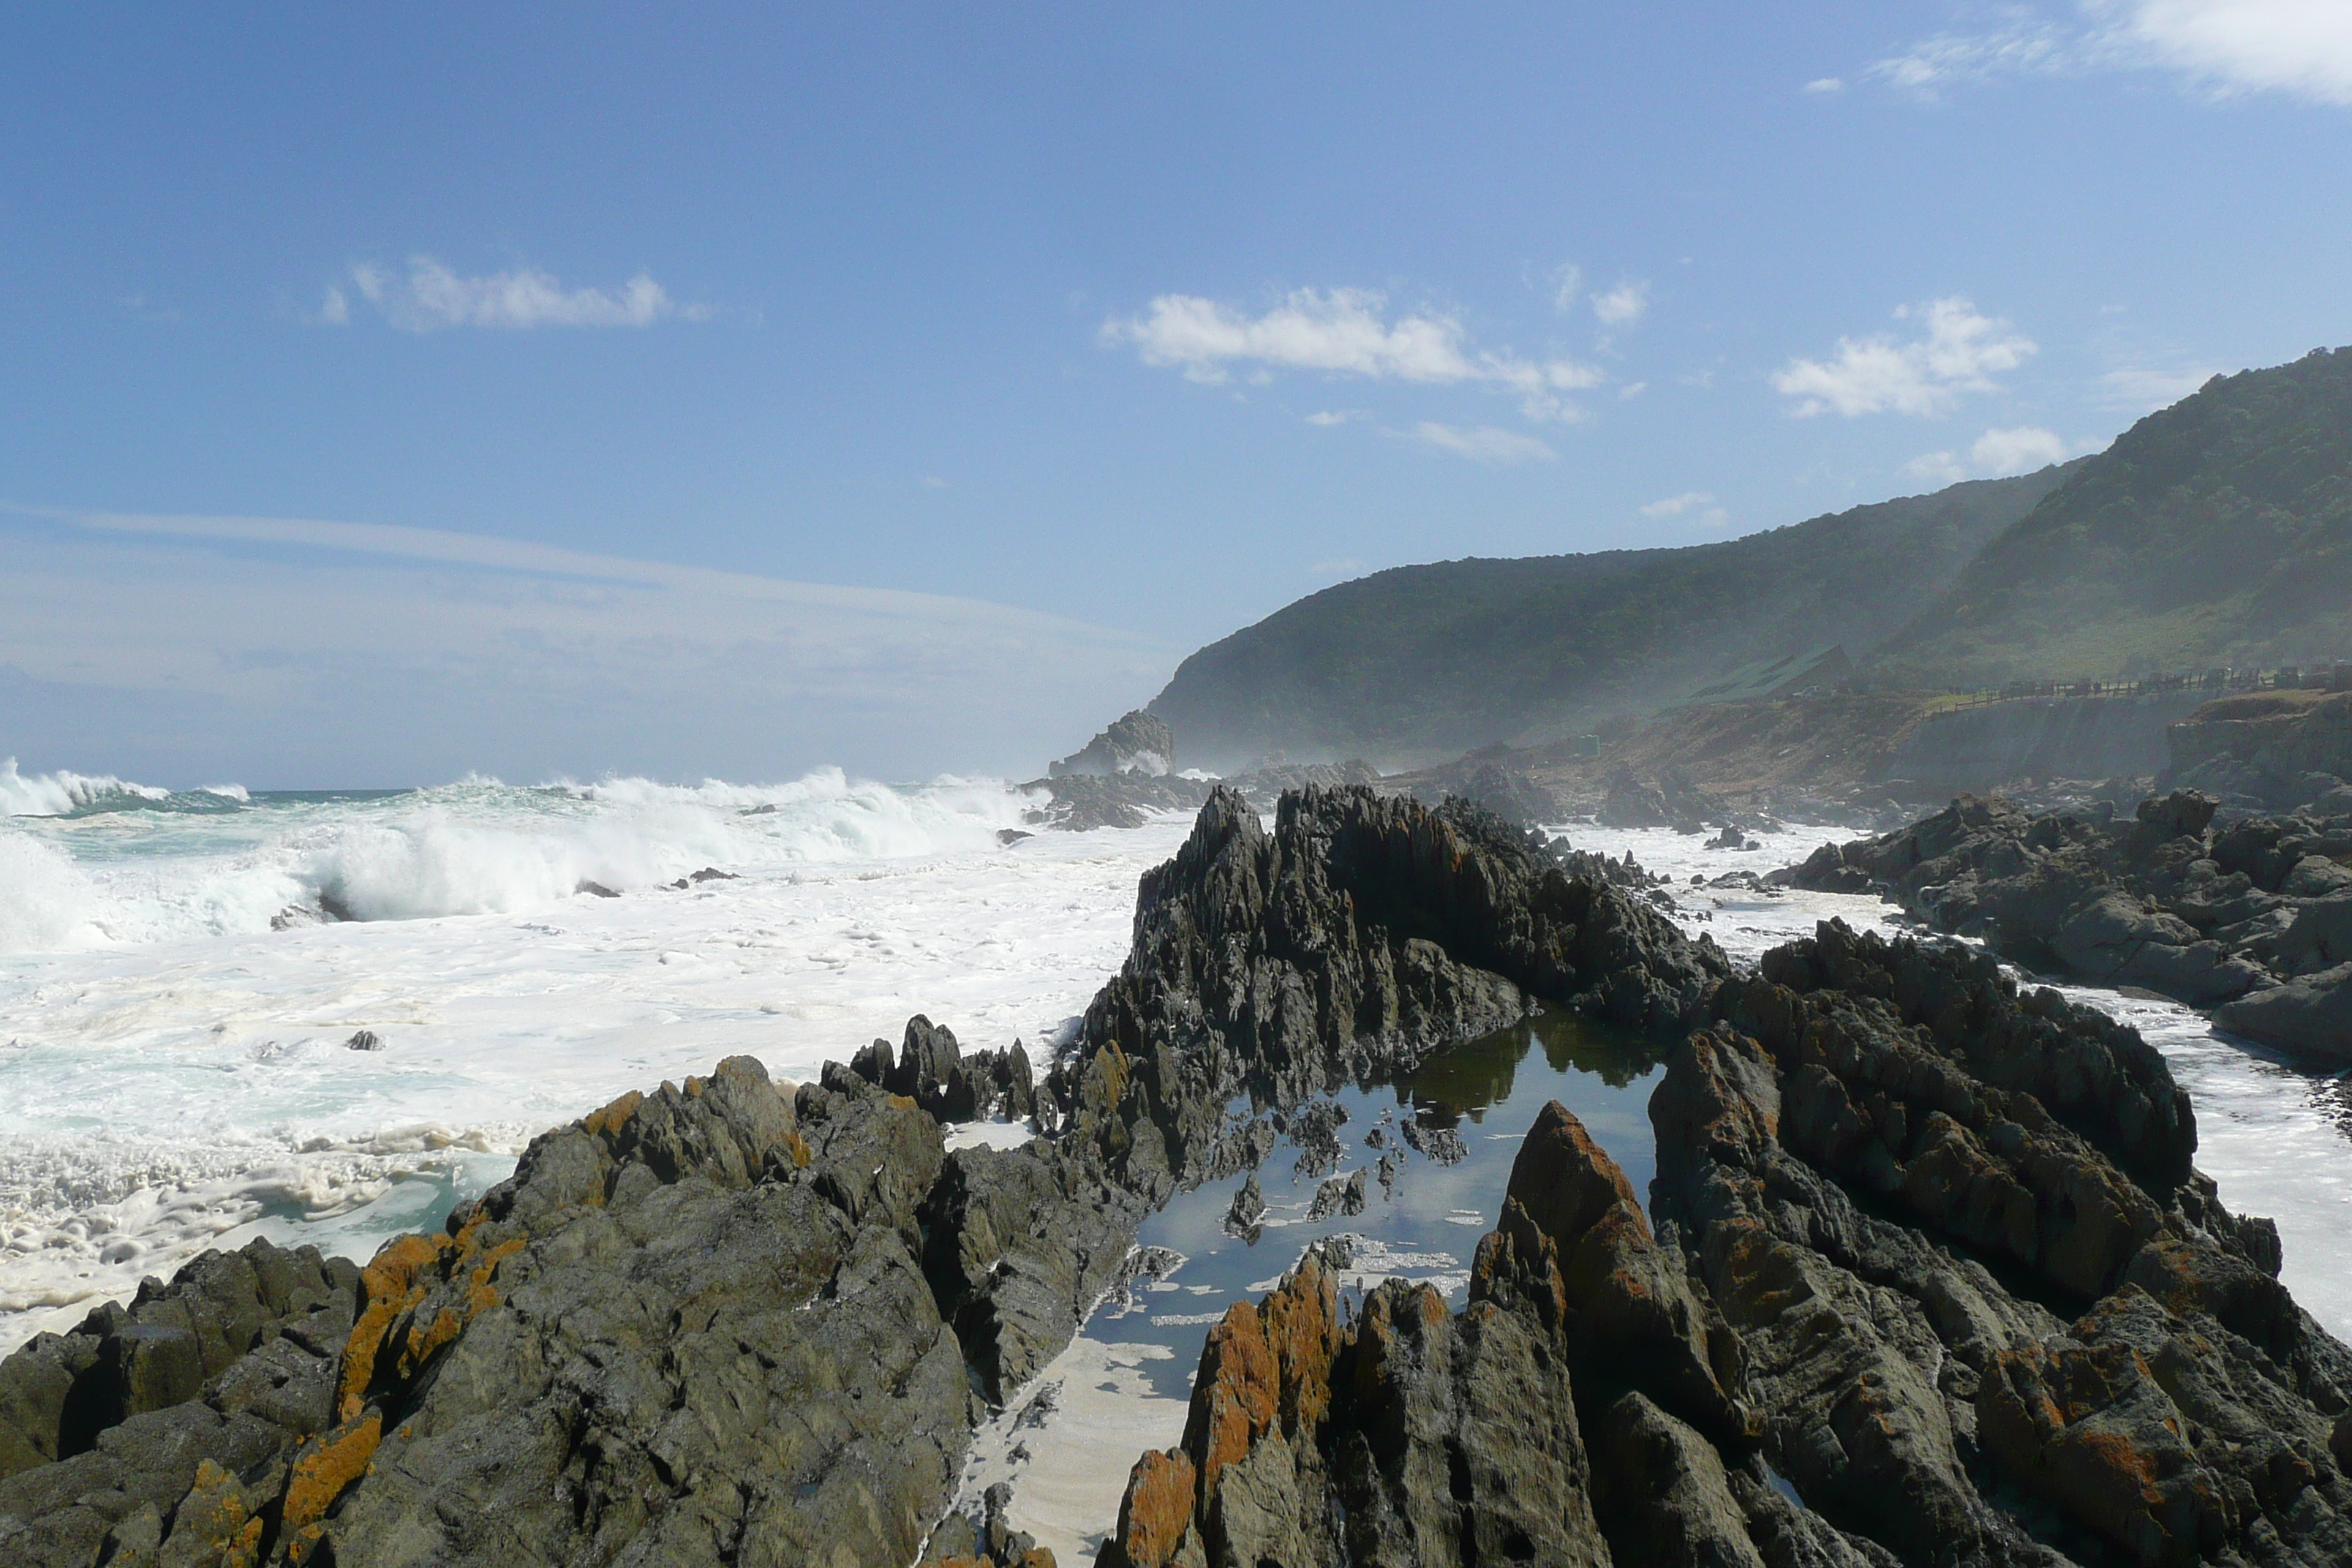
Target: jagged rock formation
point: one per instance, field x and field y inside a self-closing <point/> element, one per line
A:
<point x="150" y="1414"/>
<point x="1359" y="936"/>
<point x="1929" y="1247"/>
<point x="2251" y="915"/>
<point x="1080" y="802"/>
<point x="736" y="1323"/>
<point x="930" y="1070"/>
<point x="1507" y="1433"/>
<point x="1671" y="801"/>
<point x="2268" y="751"/>
<point x="1957" y="1230"/>
<point x="1137" y="743"/>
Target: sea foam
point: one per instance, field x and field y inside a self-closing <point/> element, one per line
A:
<point x="90" y="861"/>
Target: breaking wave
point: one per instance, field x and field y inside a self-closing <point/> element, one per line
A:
<point x="96" y="862"/>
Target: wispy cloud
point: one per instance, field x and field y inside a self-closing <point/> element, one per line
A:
<point x="1622" y="306"/>
<point x="1331" y="417"/>
<point x="1344" y="332"/>
<point x="1961" y="353"/>
<point x="1483" y="443"/>
<point x="2024" y="44"/>
<point x="348" y="651"/>
<point x="1825" y="84"/>
<point x="1697" y="505"/>
<point x="2301" y="47"/>
<point x="430" y="297"/>
<point x="1995" y="455"/>
<point x="2140" y="389"/>
<point x="1566" y="280"/>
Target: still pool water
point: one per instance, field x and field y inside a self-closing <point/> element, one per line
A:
<point x="1066" y="1441"/>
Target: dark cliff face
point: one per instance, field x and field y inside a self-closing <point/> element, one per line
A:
<point x="1898" y="1307"/>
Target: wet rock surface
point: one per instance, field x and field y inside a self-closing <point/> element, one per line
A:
<point x="738" y="1322"/>
<point x="1932" y="1281"/>
<point x="1358" y="937"/>
<point x="1927" y="1277"/>
<point x="2250" y="916"/>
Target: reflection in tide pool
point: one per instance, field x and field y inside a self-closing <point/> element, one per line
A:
<point x="1066" y="1443"/>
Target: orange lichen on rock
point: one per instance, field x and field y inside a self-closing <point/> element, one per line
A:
<point x="397" y="1282"/>
<point x="1261" y="1365"/>
<point x="1158" y="1508"/>
<point x="613" y="1117"/>
<point x="326" y="1468"/>
<point x="391" y="1286"/>
<point x="1237" y="1395"/>
<point x="213" y="1521"/>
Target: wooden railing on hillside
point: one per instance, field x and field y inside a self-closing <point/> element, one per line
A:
<point x="2334" y="676"/>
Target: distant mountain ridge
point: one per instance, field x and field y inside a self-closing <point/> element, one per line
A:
<point x="1418" y="663"/>
<point x="2216" y="532"/>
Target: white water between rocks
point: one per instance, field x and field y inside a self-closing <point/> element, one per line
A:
<point x="175" y="1073"/>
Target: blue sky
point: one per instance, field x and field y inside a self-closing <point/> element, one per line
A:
<point x="1121" y="326"/>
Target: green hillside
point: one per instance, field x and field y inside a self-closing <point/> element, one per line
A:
<point x="1417" y="663"/>
<point x="2217" y="531"/>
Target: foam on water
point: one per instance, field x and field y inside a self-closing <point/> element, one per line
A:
<point x="65" y="793"/>
<point x="173" y="1072"/>
<point x="2271" y="1132"/>
<point x="94" y="862"/>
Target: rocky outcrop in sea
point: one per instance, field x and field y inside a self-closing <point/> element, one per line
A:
<point x="1136" y="744"/>
<point x="2250" y="916"/>
<point x="738" y="1321"/>
<point x="1926" y="1277"/>
<point x="1932" y="1281"/>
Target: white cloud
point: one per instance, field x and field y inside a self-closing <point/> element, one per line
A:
<point x="2026" y="46"/>
<point x="1483" y="443"/>
<point x="1345" y="331"/>
<point x="1937" y="467"/>
<point x="2138" y="389"/>
<point x="430" y="297"/>
<point x="2017" y="451"/>
<point x="1331" y="417"/>
<point x="2301" y="48"/>
<point x="1825" y="84"/>
<point x="334" y="652"/>
<point x="1621" y="306"/>
<point x="1960" y="353"/>
<point x="1996" y="454"/>
<point x="2298" y="46"/>
<point x="1566" y="282"/>
<point x="1696" y="505"/>
<point x="1632" y="390"/>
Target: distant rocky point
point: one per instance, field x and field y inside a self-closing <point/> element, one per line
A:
<point x="1137" y="743"/>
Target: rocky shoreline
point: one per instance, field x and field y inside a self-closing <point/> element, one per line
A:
<point x="2248" y="915"/>
<point x="1926" y="1245"/>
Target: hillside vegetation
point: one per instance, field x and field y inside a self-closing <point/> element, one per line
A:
<point x="2218" y="532"/>
<point x="1417" y="663"/>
